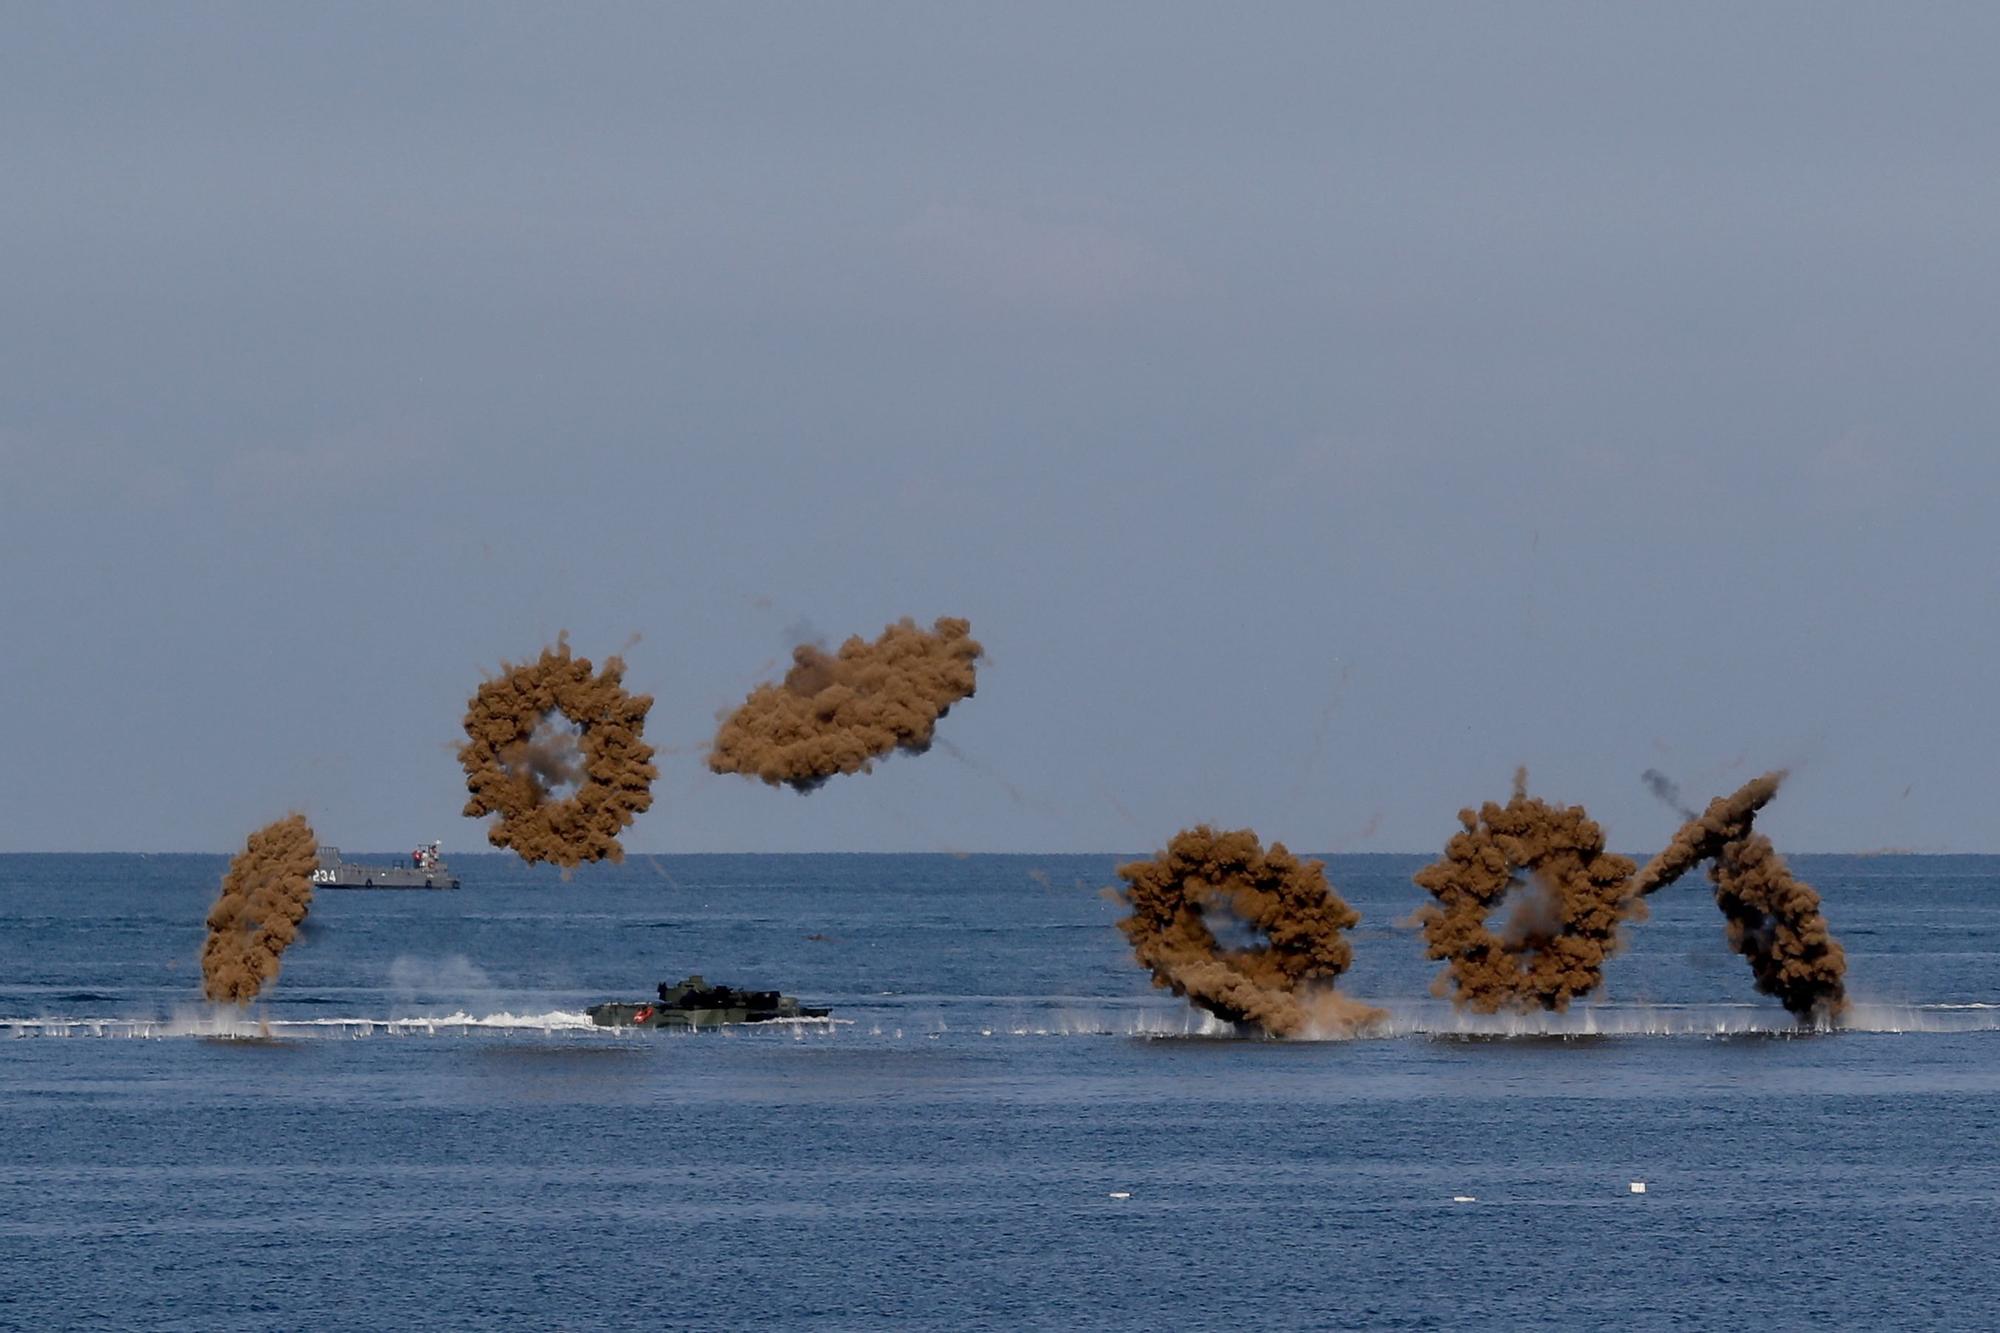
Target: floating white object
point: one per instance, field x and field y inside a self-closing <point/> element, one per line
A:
<point x="1121" y="1194"/>
<point x="1638" y="1187"/>
<point x="1463" y="1198"/>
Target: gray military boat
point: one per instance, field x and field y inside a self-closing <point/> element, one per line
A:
<point x="693" y="1003"/>
<point x="426" y="870"/>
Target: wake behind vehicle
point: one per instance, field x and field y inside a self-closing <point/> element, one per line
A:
<point x="426" y="870"/>
<point x="693" y="1003"/>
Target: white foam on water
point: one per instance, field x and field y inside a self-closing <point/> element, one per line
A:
<point x="1424" y="1020"/>
<point x="231" y="1023"/>
<point x="1430" y="1021"/>
<point x="234" y="1023"/>
<point x="1407" y="1020"/>
<point x="555" y="1020"/>
<point x="1189" y="1022"/>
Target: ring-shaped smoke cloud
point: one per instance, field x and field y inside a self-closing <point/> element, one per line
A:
<point x="515" y="764"/>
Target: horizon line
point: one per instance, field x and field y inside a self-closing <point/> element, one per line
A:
<point x="1872" y="853"/>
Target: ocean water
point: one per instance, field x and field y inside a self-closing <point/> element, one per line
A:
<point x="419" y="1128"/>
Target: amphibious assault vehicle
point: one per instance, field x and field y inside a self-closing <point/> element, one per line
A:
<point x="693" y="1003"/>
<point x="426" y="870"/>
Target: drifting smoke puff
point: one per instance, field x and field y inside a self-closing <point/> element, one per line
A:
<point x="1285" y="986"/>
<point x="837" y="713"/>
<point x="1666" y="789"/>
<point x="265" y="896"/>
<point x="516" y="757"/>
<point x="1555" y="946"/>
<point x="1772" y="918"/>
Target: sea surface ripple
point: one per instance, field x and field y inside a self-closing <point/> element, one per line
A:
<point x="1001" y="1126"/>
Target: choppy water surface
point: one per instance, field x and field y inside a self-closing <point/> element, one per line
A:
<point x="421" y="1128"/>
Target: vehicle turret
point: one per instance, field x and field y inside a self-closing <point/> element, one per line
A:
<point x="692" y="1002"/>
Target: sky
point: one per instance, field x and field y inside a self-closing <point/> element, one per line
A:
<point x="1318" y="411"/>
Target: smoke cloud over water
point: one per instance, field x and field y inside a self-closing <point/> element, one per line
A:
<point x="265" y="895"/>
<point x="1774" y="921"/>
<point x="517" y="758"/>
<point x="1568" y="914"/>
<point x="1771" y="917"/>
<point x="1283" y="986"/>
<point x="1566" y="919"/>
<point x="837" y="713"/>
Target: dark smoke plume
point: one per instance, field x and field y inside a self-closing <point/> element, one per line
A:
<point x="1284" y="986"/>
<point x="1667" y="790"/>
<point x="1555" y="946"/>
<point x="264" y="897"/>
<point x="516" y="757"/>
<point x="839" y="712"/>
<point x="1772" y="918"/>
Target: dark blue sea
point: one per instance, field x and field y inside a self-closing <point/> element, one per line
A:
<point x="1003" y="1127"/>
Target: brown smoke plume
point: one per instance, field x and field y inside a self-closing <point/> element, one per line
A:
<point x="1555" y="947"/>
<point x="1772" y="918"/>
<point x="1703" y="837"/>
<point x="264" y="897"/>
<point x="839" y="712"/>
<point x="1284" y="986"/>
<point x="515" y="758"/>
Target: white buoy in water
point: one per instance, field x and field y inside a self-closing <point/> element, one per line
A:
<point x="1121" y="1194"/>
<point x="1463" y="1198"/>
<point x="1638" y="1187"/>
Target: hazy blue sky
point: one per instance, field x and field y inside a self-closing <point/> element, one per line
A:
<point x="1317" y="411"/>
